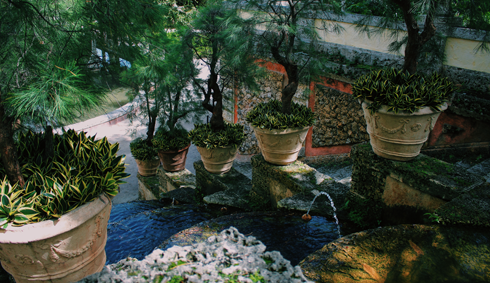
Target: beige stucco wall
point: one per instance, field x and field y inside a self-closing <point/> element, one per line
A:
<point x="351" y="37"/>
<point x="461" y="53"/>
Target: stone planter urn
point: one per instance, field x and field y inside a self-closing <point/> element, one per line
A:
<point x="218" y="160"/>
<point x="280" y="147"/>
<point x="62" y="250"/>
<point x="174" y="160"/>
<point x="399" y="136"/>
<point x="148" y="167"/>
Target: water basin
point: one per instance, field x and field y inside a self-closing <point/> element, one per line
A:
<point x="135" y="229"/>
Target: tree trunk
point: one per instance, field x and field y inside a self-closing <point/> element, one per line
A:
<point x="151" y="127"/>
<point x="415" y="39"/>
<point x="289" y="91"/>
<point x="8" y="151"/>
<point x="217" y="122"/>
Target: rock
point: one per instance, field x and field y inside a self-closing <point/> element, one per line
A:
<point x="229" y="253"/>
<point x="403" y="254"/>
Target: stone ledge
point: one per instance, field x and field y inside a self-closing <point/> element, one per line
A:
<point x="212" y="183"/>
<point x="472" y="208"/>
<point x="148" y="187"/>
<point x="230" y="189"/>
<point x="291" y="186"/>
<point x="170" y="181"/>
<point x="153" y="187"/>
<point x="396" y="192"/>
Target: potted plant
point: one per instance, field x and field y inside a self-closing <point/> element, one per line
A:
<point x="219" y="41"/>
<point x="218" y="149"/>
<point x="292" y="42"/>
<point x="54" y="228"/>
<point x="146" y="157"/>
<point x="401" y="109"/>
<point x="172" y="146"/>
<point x="177" y="69"/>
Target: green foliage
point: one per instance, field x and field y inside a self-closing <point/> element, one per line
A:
<point x="141" y="150"/>
<point x="286" y="37"/>
<point x="203" y="136"/>
<point x="175" y="264"/>
<point x="368" y="7"/>
<point x="82" y="169"/>
<point x="221" y="41"/>
<point x="428" y="23"/>
<point x="433" y="217"/>
<point x="171" y="140"/>
<point x="401" y="91"/>
<point x="162" y="76"/>
<point x="362" y="213"/>
<point x="176" y="279"/>
<point x="269" y="116"/>
<point x="57" y="94"/>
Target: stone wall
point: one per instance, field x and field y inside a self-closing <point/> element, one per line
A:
<point x="339" y="119"/>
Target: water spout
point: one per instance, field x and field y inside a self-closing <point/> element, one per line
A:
<point x="318" y="193"/>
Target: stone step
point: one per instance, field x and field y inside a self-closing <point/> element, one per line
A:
<point x="228" y="189"/>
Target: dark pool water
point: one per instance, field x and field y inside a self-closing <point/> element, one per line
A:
<point x="135" y="229"/>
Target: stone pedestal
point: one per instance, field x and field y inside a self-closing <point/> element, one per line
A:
<point x="393" y="192"/>
<point x="151" y="188"/>
<point x="212" y="183"/>
<point x="292" y="187"/>
<point x="170" y="181"/>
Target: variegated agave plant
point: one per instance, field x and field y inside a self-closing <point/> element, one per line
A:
<point x="268" y="115"/>
<point x="401" y="91"/>
<point x="203" y="136"/>
<point x="82" y="169"/>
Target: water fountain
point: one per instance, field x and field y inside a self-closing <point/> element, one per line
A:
<point x="307" y="217"/>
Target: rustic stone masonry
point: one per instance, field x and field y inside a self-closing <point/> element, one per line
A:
<point x="391" y="192"/>
<point x="339" y="119"/>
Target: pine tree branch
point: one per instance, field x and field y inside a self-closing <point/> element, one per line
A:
<point x="15" y="3"/>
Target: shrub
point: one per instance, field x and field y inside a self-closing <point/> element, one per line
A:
<point x="203" y="136"/>
<point x="171" y="140"/>
<point x="141" y="150"/>
<point x="269" y="116"/>
<point x="80" y="171"/>
<point x="401" y="91"/>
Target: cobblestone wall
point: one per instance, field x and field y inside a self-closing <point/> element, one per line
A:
<point x="339" y="119"/>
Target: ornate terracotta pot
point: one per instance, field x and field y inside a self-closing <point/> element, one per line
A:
<point x="148" y="167"/>
<point x="63" y="250"/>
<point x="399" y="136"/>
<point x="281" y="147"/>
<point x="218" y="160"/>
<point x="174" y="160"/>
